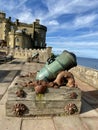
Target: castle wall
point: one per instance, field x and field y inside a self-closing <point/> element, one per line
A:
<point x="11" y="40"/>
<point x="40" y="36"/>
<point x="86" y="74"/>
<point x="27" y="43"/>
<point x="44" y="54"/>
<point x="29" y="29"/>
<point x="19" y="39"/>
<point x="1" y="30"/>
<point x="5" y="27"/>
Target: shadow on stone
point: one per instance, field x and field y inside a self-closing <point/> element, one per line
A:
<point x="89" y="101"/>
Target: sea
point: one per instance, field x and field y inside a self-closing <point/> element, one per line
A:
<point x="88" y="62"/>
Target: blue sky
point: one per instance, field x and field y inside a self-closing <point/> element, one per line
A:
<point x="72" y="24"/>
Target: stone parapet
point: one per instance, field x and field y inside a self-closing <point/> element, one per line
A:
<point x="86" y="74"/>
<point x="44" y="54"/>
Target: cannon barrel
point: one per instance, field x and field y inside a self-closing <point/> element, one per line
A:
<point x="65" y="61"/>
<point x="35" y="55"/>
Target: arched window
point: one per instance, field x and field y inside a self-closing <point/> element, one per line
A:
<point x="17" y="40"/>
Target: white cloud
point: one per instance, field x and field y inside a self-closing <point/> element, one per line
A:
<point x="78" y="22"/>
<point x="95" y="34"/>
<point x="21" y="3"/>
<point x="53" y="22"/>
<point x="57" y="8"/>
<point x="77" y="7"/>
<point x="11" y="4"/>
<point x="25" y="16"/>
<point x="85" y="20"/>
<point x="72" y="44"/>
<point x="82" y="49"/>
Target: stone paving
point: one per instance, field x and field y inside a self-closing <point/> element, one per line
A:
<point x="86" y="120"/>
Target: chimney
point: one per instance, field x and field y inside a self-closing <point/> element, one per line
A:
<point x="9" y="18"/>
<point x="37" y="21"/>
<point x="17" y="21"/>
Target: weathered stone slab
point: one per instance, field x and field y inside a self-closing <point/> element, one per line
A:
<point x="10" y="123"/>
<point x="68" y="123"/>
<point x="10" y="76"/>
<point x="3" y="88"/>
<point x="4" y="99"/>
<point x="38" y="124"/>
<point x="91" y="123"/>
<point x="2" y="111"/>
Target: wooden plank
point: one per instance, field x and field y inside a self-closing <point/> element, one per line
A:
<point x="60" y="94"/>
<point x="41" y="108"/>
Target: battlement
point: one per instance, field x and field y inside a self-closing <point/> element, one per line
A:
<point x="44" y="54"/>
<point x="2" y="15"/>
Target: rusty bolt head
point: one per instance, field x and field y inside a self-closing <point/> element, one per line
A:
<point x="20" y="93"/>
<point x="73" y="95"/>
<point x="71" y="109"/>
<point x="19" y="109"/>
<point x="39" y="89"/>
